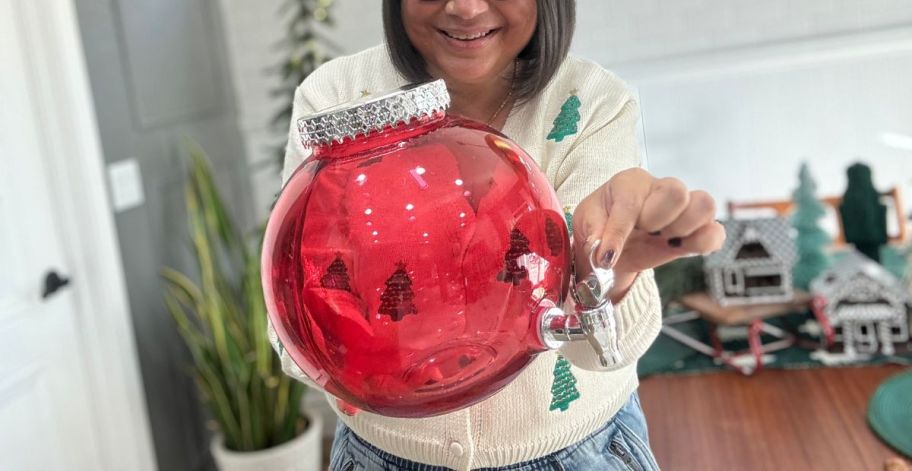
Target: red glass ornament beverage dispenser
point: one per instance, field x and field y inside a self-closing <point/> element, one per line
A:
<point x="414" y="263"/>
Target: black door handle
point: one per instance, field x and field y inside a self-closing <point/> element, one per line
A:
<point x="53" y="283"/>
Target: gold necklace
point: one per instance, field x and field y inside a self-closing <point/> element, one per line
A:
<point x="502" y="106"/>
<point x="506" y="100"/>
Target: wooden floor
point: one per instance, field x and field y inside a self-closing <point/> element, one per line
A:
<point x="775" y="420"/>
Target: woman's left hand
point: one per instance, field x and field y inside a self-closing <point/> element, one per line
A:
<point x="643" y="222"/>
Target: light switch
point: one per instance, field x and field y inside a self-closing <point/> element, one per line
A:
<point x="125" y="181"/>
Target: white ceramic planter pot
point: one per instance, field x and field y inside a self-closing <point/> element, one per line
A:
<point x="304" y="453"/>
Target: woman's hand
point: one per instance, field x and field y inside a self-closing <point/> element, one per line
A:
<point x="643" y="222"/>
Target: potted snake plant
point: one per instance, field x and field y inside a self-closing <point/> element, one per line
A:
<point x="221" y="315"/>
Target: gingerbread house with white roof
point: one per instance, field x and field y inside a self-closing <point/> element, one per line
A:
<point x="755" y="264"/>
<point x="865" y="301"/>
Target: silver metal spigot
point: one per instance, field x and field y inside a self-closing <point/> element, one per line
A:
<point x="596" y="313"/>
<point x="593" y="320"/>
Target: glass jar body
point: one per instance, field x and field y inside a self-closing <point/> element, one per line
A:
<point x="402" y="270"/>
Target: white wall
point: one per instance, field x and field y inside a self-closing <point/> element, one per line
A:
<point x="616" y="31"/>
<point x="740" y="124"/>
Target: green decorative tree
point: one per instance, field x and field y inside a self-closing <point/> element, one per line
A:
<point x="305" y="52"/>
<point x="513" y="272"/>
<point x="566" y="122"/>
<point x="812" y="239"/>
<point x="336" y="276"/>
<point x="864" y="217"/>
<point x="397" y="299"/>
<point x="563" y="389"/>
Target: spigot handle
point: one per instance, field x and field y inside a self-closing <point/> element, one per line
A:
<point x="596" y="313"/>
<point x="593" y="290"/>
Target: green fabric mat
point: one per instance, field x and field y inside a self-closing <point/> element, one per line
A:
<point x="890" y="412"/>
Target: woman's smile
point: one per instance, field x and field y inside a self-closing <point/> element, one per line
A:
<point x="476" y="38"/>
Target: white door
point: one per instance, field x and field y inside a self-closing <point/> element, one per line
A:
<point x="45" y="409"/>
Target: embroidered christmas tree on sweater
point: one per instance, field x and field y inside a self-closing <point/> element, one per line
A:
<point x="563" y="389"/>
<point x="568" y="216"/>
<point x="566" y="122"/>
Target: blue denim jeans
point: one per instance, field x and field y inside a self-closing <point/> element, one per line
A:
<point x="621" y="445"/>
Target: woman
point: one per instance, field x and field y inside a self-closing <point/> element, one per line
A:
<point x="505" y="63"/>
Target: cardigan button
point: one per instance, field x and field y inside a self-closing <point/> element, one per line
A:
<point x="456" y="449"/>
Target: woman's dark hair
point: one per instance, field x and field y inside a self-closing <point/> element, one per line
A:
<point x="538" y="62"/>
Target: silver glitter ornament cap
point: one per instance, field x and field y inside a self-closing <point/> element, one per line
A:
<point x="370" y="114"/>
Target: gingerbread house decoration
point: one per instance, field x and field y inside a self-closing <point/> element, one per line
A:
<point x="755" y="264"/>
<point x="867" y="302"/>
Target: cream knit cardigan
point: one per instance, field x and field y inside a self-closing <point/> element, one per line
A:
<point x="515" y="425"/>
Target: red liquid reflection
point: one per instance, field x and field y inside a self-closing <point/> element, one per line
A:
<point x="401" y="270"/>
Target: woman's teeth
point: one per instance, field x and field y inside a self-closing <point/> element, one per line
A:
<point x="468" y="37"/>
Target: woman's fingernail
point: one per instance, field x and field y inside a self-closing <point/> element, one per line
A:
<point x="608" y="259"/>
<point x="656" y="233"/>
<point x="675" y="242"/>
